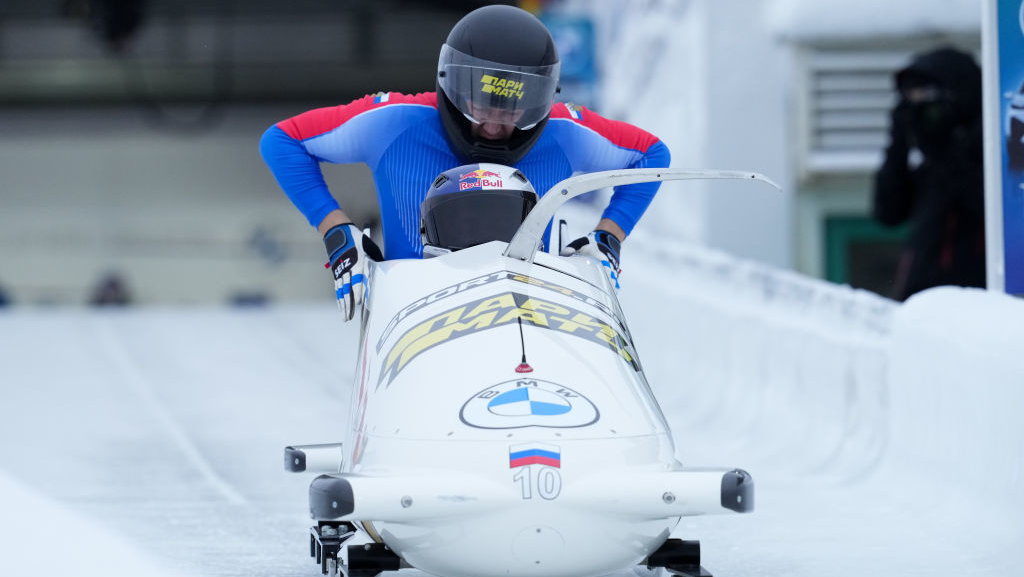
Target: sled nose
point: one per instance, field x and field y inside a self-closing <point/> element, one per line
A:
<point x="538" y="545"/>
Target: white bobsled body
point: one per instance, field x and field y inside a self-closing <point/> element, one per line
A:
<point x="502" y="425"/>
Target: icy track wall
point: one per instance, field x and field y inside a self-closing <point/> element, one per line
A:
<point x="815" y="380"/>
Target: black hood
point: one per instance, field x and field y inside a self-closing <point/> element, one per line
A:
<point x="955" y="71"/>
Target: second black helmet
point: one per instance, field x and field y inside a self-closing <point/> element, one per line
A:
<point x="498" y="65"/>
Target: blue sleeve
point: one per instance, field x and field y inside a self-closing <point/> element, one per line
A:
<point x="298" y="173"/>
<point x="629" y="202"/>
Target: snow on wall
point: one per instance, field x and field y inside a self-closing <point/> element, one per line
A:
<point x="761" y="353"/>
<point x="815" y="379"/>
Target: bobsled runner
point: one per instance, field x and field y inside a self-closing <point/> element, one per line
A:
<point x="501" y="423"/>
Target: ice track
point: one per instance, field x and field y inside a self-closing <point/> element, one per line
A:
<point x="149" y="441"/>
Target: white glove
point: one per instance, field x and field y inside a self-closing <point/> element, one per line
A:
<point x="602" y="246"/>
<point x="347" y="261"/>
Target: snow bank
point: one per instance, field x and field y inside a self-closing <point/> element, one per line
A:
<point x="957" y="385"/>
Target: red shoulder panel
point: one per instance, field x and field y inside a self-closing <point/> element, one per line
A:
<point x="621" y="134"/>
<point x="320" y="120"/>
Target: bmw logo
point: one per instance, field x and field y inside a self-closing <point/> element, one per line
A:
<point x="528" y="403"/>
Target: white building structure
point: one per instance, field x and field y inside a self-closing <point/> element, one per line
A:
<point x="796" y="89"/>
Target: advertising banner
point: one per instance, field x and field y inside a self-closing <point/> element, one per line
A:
<point x="1009" y="73"/>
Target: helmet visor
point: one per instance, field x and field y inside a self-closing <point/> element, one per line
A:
<point x="486" y="91"/>
<point x="458" y="221"/>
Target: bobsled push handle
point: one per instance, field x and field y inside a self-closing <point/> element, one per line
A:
<point x="526" y="240"/>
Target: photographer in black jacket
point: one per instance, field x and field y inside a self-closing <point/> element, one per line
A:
<point x="933" y="173"/>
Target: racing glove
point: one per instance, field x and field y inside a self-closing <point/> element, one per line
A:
<point x="347" y="261"/>
<point x="602" y="246"/>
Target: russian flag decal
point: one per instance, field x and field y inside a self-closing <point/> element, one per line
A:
<point x="574" y="111"/>
<point x="534" y="454"/>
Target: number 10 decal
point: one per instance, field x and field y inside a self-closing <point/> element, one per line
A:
<point x="545" y="481"/>
<point x="537" y="469"/>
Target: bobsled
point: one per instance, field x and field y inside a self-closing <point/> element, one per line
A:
<point x="501" y="422"/>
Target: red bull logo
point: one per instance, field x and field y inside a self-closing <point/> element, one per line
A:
<point x="480" y="178"/>
<point x="479" y="173"/>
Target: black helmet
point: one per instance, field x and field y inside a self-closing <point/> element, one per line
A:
<point x="500" y="59"/>
<point x="474" y="204"/>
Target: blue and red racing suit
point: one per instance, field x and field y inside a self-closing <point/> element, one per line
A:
<point x="401" y="139"/>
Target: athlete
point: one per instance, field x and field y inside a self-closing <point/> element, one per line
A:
<point x="497" y="77"/>
<point x="473" y="204"/>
